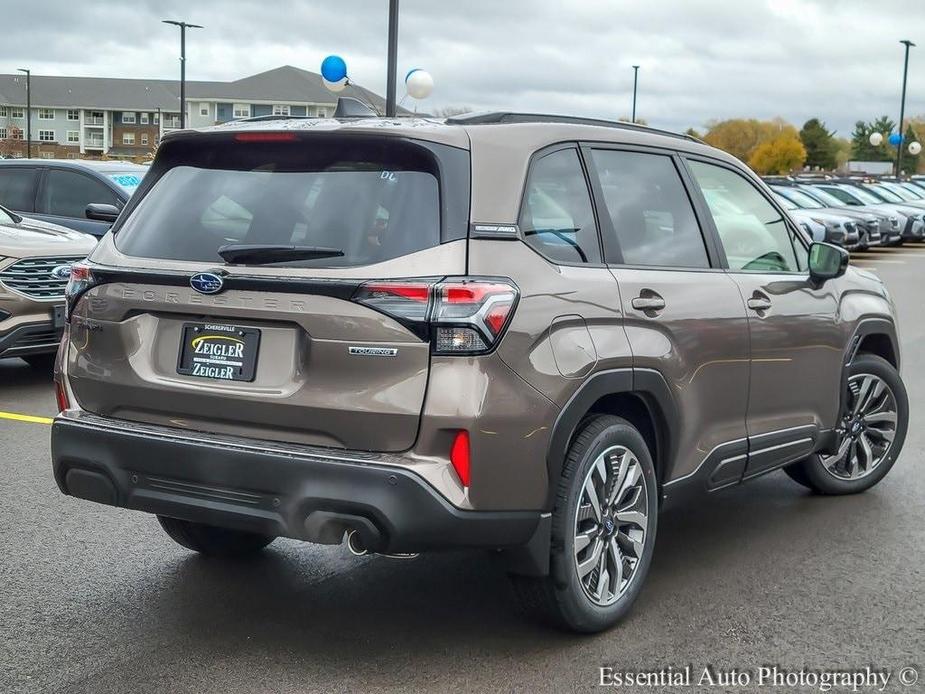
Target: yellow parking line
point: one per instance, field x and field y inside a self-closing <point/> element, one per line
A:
<point x="26" y="418"/>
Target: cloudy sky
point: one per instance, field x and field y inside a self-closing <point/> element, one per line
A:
<point x="700" y="59"/>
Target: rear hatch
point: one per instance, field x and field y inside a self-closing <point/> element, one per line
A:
<point x="309" y="329"/>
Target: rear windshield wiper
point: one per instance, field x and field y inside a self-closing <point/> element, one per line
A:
<point x="261" y="253"/>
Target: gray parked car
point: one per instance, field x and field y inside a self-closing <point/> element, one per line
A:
<point x="516" y="332"/>
<point x="83" y="195"/>
<point x="858" y="195"/>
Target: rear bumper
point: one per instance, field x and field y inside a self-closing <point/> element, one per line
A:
<point x="302" y="492"/>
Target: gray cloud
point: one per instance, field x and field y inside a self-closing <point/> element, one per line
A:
<point x="701" y="59"/>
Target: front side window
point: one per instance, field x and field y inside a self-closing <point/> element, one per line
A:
<point x="67" y="194"/>
<point x="754" y="234"/>
<point x="652" y="216"/>
<point x="557" y="218"/>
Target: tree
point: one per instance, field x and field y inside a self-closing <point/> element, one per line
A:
<point x="693" y="133"/>
<point x="910" y="162"/>
<point x="862" y="150"/>
<point x="741" y="137"/>
<point x="819" y="143"/>
<point x="781" y="155"/>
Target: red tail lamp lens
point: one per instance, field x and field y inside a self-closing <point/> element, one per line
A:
<point x="459" y="456"/>
<point x="61" y="397"/>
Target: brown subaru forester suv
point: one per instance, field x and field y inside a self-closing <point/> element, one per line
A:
<point x="517" y="332"/>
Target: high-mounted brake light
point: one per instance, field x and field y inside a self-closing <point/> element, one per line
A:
<point x="80" y="281"/>
<point x="461" y="316"/>
<point x="265" y="137"/>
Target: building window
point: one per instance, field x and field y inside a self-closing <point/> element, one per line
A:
<point x="280" y="110"/>
<point x="72" y="155"/>
<point x="73" y="114"/>
<point x="144" y="118"/>
<point x="144" y="138"/>
<point x="242" y="110"/>
<point x="128" y="138"/>
<point x="322" y="113"/>
<point x="47" y="155"/>
<point x="46" y="114"/>
<point x="16" y="134"/>
<point x="3" y="112"/>
<point x="2" y="133"/>
<point x="46" y="135"/>
<point x="128" y="117"/>
<point x="157" y="118"/>
<point x="204" y="109"/>
<point x="73" y="136"/>
<point x="17" y="113"/>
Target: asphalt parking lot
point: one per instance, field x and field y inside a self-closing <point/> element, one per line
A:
<point x="97" y="599"/>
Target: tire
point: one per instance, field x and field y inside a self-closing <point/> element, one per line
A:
<point x="873" y="449"/>
<point x="562" y="598"/>
<point x="213" y="541"/>
<point x="41" y="362"/>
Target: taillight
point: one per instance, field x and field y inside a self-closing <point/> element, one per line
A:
<point x="81" y="280"/>
<point x="459" y="456"/>
<point x="265" y="137"/>
<point x="61" y="396"/>
<point x="459" y="316"/>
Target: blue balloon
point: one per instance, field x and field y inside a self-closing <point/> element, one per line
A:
<point x="333" y="68"/>
<point x="895" y="139"/>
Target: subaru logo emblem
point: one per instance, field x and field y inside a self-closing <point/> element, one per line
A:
<point x="608" y="525"/>
<point x="62" y="272"/>
<point x="206" y="283"/>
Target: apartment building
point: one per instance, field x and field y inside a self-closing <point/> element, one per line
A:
<point x="116" y="118"/>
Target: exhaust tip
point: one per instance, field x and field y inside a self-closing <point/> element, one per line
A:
<point x="355" y="544"/>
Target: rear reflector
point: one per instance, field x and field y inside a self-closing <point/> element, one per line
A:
<point x="459" y="456"/>
<point x="61" y="396"/>
<point x="265" y="137"/>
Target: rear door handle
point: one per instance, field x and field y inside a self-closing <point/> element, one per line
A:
<point x="759" y="303"/>
<point x="649" y="303"/>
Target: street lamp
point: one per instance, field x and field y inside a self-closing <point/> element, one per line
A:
<point x="183" y="27"/>
<point x="392" y="67"/>
<point x="902" y="108"/>
<point x="28" y="111"/>
<point x="635" y="82"/>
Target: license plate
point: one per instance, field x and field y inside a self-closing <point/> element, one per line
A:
<point x="57" y="316"/>
<point x="219" y="352"/>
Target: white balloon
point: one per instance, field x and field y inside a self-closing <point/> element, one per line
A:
<point x="915" y="148"/>
<point x="335" y="86"/>
<point x="419" y="84"/>
<point x="876" y="139"/>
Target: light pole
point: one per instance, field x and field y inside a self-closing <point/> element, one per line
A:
<point x="635" y="82"/>
<point x="28" y="111"/>
<point x="183" y="27"/>
<point x="392" y="67"/>
<point x="902" y="109"/>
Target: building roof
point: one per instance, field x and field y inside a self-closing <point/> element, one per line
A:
<point x="286" y="85"/>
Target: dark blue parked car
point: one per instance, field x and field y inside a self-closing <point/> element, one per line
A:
<point x="83" y="195"/>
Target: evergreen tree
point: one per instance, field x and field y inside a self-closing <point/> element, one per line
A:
<point x="819" y="143"/>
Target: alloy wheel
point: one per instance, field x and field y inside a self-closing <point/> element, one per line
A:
<point x="868" y="428"/>
<point x="611" y="525"/>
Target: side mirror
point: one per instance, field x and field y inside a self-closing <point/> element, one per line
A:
<point x="102" y="212"/>
<point x="827" y="261"/>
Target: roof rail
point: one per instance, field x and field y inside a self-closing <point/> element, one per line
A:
<point x="502" y="117"/>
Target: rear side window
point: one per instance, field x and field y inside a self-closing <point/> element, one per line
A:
<point x="557" y="218"/>
<point x="651" y="213"/>
<point x="17" y="187"/>
<point x="67" y="194"/>
<point x="374" y="202"/>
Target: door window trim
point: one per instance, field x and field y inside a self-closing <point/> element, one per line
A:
<point x="788" y="223"/>
<point x="537" y="156"/>
<point x="610" y="240"/>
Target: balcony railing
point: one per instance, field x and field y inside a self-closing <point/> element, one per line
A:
<point x="95" y="143"/>
<point x="93" y="120"/>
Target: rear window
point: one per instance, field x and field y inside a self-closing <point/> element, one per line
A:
<point x="373" y="200"/>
